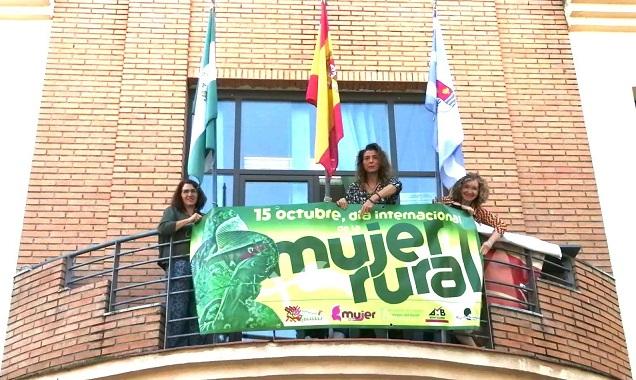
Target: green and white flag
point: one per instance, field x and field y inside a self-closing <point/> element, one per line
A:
<point x="203" y="130"/>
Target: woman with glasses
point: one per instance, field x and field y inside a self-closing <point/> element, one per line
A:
<point x="175" y="229"/>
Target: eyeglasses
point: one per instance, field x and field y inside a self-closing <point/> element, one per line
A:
<point x="189" y="191"/>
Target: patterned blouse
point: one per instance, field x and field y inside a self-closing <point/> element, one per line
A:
<point x="356" y="194"/>
<point x="483" y="216"/>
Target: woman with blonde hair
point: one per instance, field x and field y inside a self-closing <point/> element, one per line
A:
<point x="470" y="193"/>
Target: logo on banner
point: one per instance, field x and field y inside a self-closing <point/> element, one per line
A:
<point x="468" y="315"/>
<point x="437" y="315"/>
<point x="346" y="315"/>
<point x="296" y="314"/>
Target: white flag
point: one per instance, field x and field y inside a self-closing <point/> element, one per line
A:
<point x="441" y="104"/>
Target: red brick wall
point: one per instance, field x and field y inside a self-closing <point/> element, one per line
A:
<point x="151" y="114"/>
<point x="110" y="135"/>
<point x="51" y="326"/>
<point x="556" y="178"/>
<point x="581" y="326"/>
<point x="69" y="196"/>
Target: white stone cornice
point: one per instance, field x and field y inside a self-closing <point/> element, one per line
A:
<point x="26" y="9"/>
<point x="601" y="15"/>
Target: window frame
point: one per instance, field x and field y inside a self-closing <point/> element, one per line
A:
<point x="239" y="96"/>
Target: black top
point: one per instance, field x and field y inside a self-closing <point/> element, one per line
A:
<point x="357" y="195"/>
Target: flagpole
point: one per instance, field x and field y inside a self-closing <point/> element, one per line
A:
<point x="440" y="190"/>
<point x="327" y="176"/>
<point x="214" y="182"/>
<point x="438" y="178"/>
<point x="327" y="187"/>
<point x="322" y="92"/>
<point x="214" y="153"/>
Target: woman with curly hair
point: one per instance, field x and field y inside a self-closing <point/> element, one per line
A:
<point x="469" y="193"/>
<point x="375" y="182"/>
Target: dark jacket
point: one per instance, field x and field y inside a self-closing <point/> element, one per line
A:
<point x="166" y="230"/>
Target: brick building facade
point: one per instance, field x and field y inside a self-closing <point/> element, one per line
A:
<point x="112" y="135"/>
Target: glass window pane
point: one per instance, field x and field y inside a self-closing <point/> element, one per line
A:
<point x="225" y="123"/>
<point x="363" y="123"/>
<point x="276" y="193"/>
<point x="277" y="135"/>
<point x="224" y="191"/>
<point x="414" y="139"/>
<point x="417" y="190"/>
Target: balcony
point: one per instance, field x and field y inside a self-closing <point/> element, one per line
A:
<point x="101" y="313"/>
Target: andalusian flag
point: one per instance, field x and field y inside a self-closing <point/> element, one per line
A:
<point x="203" y="129"/>
<point x="322" y="91"/>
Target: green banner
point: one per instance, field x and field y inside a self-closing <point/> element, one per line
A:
<point x="311" y="265"/>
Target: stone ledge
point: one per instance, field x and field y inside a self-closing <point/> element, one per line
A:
<point x="320" y="359"/>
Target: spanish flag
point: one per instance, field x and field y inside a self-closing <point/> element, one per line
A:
<point x="322" y="92"/>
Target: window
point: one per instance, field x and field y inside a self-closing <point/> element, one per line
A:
<point x="561" y="271"/>
<point x="276" y="135"/>
<point x="225" y="134"/>
<point x="272" y="134"/>
<point x="415" y="148"/>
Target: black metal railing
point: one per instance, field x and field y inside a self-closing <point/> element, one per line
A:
<point x="511" y="274"/>
<point x="139" y="277"/>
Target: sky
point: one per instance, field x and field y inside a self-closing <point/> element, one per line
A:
<point x="21" y="73"/>
<point x="20" y="93"/>
<point x="607" y="98"/>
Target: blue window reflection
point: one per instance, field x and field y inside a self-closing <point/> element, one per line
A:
<point x="417" y="190"/>
<point x="280" y="135"/>
<point x="224" y="191"/>
<point x="364" y="123"/>
<point x="225" y="134"/>
<point x="277" y="135"/>
<point x="415" y="148"/>
<point x="275" y="193"/>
